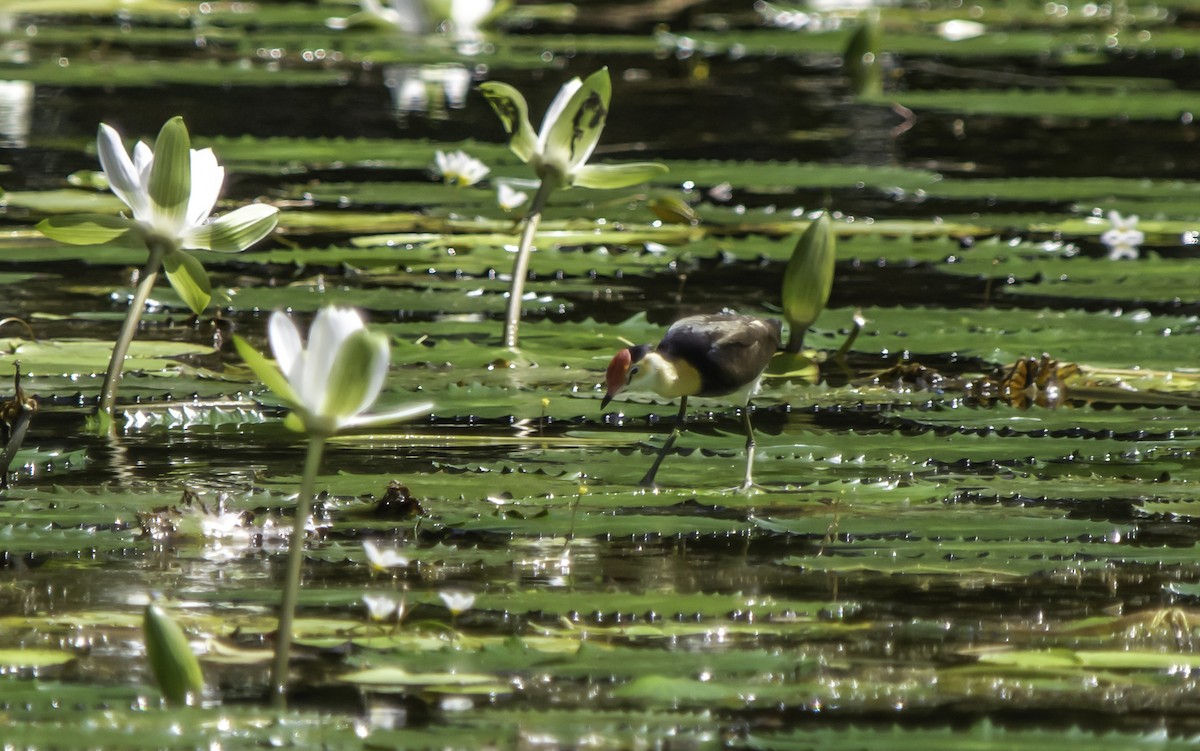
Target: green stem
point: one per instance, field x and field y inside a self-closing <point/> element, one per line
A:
<point x="795" y="341"/>
<point x="291" y="587"/>
<point x="512" y="318"/>
<point x="108" y="392"/>
<point x="15" y="439"/>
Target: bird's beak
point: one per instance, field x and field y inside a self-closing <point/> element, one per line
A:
<point x="607" y="398"/>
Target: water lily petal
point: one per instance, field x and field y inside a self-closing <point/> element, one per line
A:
<point x="170" y="183"/>
<point x="267" y="371"/>
<point x="123" y="176"/>
<point x="589" y="122"/>
<point x="356" y="377"/>
<point x="573" y="134"/>
<point x="286" y="345"/>
<point x="374" y="376"/>
<point x="143" y="159"/>
<point x="207" y="179"/>
<point x="235" y="231"/>
<point x="616" y="175"/>
<point x="189" y="279"/>
<point x="554" y="112"/>
<point x="329" y="330"/>
<point x="92" y="229"/>
<point x="400" y="414"/>
<point x="513" y="112"/>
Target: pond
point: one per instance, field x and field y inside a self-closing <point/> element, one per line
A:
<point x="974" y="519"/>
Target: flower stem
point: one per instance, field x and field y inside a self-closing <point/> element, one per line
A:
<point x="291" y="587"/>
<point x="108" y="392"/>
<point x="512" y="318"/>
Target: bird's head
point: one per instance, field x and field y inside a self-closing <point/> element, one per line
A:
<point x="624" y="370"/>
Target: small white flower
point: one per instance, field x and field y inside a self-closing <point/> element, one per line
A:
<point x="509" y="197"/>
<point x="1124" y="237"/>
<point x="381" y="607"/>
<point x="957" y="30"/>
<point x="457" y="601"/>
<point x="382" y="559"/>
<point x="459" y="168"/>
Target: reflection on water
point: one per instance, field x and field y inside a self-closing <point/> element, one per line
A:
<point x="16" y="113"/>
<point x="430" y="90"/>
<point x="460" y="19"/>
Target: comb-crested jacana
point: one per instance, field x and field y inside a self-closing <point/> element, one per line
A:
<point x="706" y="355"/>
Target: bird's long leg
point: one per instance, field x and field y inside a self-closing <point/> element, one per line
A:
<point x="749" y="428"/>
<point x="648" y="480"/>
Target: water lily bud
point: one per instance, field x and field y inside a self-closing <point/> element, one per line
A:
<point x="862" y="59"/>
<point x="808" y="279"/>
<point x="673" y="210"/>
<point x="171" y="658"/>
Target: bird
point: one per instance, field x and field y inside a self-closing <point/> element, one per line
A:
<point x="704" y="355"/>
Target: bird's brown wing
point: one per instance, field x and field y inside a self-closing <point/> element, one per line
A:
<point x="728" y="351"/>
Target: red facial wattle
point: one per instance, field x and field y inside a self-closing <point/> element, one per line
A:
<point x="617" y="375"/>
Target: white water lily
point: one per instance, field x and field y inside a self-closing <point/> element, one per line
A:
<point x="329" y="384"/>
<point x="332" y="383"/>
<point x="1124" y="238"/>
<point x="171" y="191"/>
<point x="558" y="153"/>
<point x="381" y="607"/>
<point x="570" y="131"/>
<point x="509" y="197"/>
<point x="382" y="559"/>
<point x="460" y="168"/>
<point x="457" y="601"/>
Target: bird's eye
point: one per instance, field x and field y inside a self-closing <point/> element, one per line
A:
<point x="633" y="371"/>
